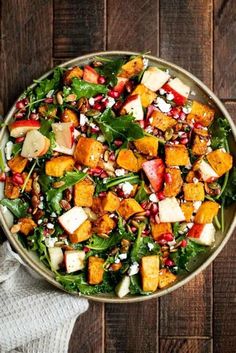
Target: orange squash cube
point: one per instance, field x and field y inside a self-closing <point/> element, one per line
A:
<point x="27" y="225"/>
<point x="174" y="186"/>
<point x="17" y="164"/>
<point x="95" y="270"/>
<point x="104" y="225"/>
<point x="110" y="202"/>
<point x="165" y="278"/>
<point x="220" y="161"/>
<point x="176" y="155"/>
<point x="187" y="208"/>
<point x="147" y="96"/>
<point x="72" y="73"/>
<point x="127" y="160"/>
<point x="159" y="229"/>
<point x="161" y="120"/>
<point x="70" y="116"/>
<point x="201" y="113"/>
<point x="199" y="147"/>
<point x="128" y="207"/>
<point x="11" y="191"/>
<point x="206" y="212"/>
<point x="194" y="192"/>
<point x="132" y="67"/>
<point x="83" y="193"/>
<point x="147" y="145"/>
<point x="88" y="152"/>
<point x="150" y="272"/>
<point x="82" y="233"/>
<point x="57" y="166"/>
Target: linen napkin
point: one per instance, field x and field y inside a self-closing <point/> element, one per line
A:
<point x="34" y="316"/>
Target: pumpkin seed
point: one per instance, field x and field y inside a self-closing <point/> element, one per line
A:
<point x="58" y="184"/>
<point x="169" y="133"/>
<point x="92" y="112"/>
<point x="71" y="98"/>
<point x="59" y="98"/>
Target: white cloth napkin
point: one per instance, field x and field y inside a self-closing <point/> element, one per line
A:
<point x="34" y="316"/>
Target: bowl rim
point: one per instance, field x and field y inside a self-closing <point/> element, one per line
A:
<point x="132" y="299"/>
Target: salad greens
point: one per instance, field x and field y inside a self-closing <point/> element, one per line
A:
<point x="85" y="89"/>
<point x="17" y="206"/>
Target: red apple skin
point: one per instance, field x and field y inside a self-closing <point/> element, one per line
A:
<point x="119" y="87"/>
<point x="72" y="128"/>
<point x="196" y="230"/>
<point x="155" y="171"/>
<point x="178" y="98"/>
<point x="90" y="75"/>
<point x="23" y="123"/>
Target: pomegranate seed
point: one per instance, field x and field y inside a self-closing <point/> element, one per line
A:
<point x="30" y="210"/>
<point x="84" y="128"/>
<point x="113" y="94"/>
<point x="175" y="112"/>
<point x="161" y="241"/>
<point x="168" y="236"/>
<point x="184" y="141"/>
<point x="86" y="249"/>
<point x="97" y="106"/>
<point x="184" y="243"/>
<point x="2" y="177"/>
<point x="145" y="231"/>
<point x="160" y="195"/>
<point x="112" y="156"/>
<point x="102" y="194"/>
<point x="182" y="116"/>
<point x="133" y="229"/>
<point x="147" y="213"/>
<point x="120" y="193"/>
<point x="101" y="80"/>
<point x="169" y="263"/>
<point x="34" y="116"/>
<point x="129" y="86"/>
<point x="18" y="179"/>
<point x="95" y="130"/>
<point x="95" y="171"/>
<point x="19" y="115"/>
<point x="22" y="103"/>
<point x="154" y="209"/>
<point x="144" y="204"/>
<point x="48" y="100"/>
<point x="168" y="178"/>
<point x="104" y="175"/>
<point x="118" y="143"/>
<point x="117" y="105"/>
<point x="19" y="139"/>
<point x="98" y="98"/>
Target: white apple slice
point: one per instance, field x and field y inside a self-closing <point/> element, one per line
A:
<point x="122" y="288"/>
<point x="65" y="150"/>
<point x="72" y="219"/>
<point x="154" y="78"/>
<point x="74" y="260"/>
<point x="203" y="234"/>
<point x="206" y="171"/>
<point x="64" y="134"/>
<point x="21" y="127"/>
<point x="170" y="211"/>
<point x="35" y="144"/>
<point x="179" y="90"/>
<point x="133" y="105"/>
<point x="56" y="257"/>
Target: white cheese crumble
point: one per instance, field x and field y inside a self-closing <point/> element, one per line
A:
<point x="162" y="91"/>
<point x="145" y="63"/>
<point x="117" y="261"/>
<point x="150" y="246"/>
<point x="50" y="93"/>
<point x="195" y="180"/>
<point x="40" y="206"/>
<point x="162" y="105"/>
<point x="123" y="256"/>
<point x="50" y="242"/>
<point x="40" y="221"/>
<point x="153" y="198"/>
<point x="190" y="225"/>
<point x="91" y="101"/>
<point x="187" y="109"/>
<point x="111" y="102"/>
<point x="169" y="96"/>
<point x="83" y="119"/>
<point x="53" y="214"/>
<point x="149" y="129"/>
<point x="126" y="187"/>
<point x="50" y="226"/>
<point x="101" y="138"/>
<point x="134" y="269"/>
<point x="120" y="172"/>
<point x="8" y="150"/>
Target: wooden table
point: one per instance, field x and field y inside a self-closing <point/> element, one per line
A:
<point x="199" y="35"/>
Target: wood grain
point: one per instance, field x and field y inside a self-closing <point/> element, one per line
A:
<point x="26" y="45"/>
<point x="186" y="35"/>
<point x="133" y="25"/>
<point x="171" y="345"/>
<point x="132" y="328"/>
<point x="79" y="27"/>
<point x="224" y="270"/>
<point x="225" y="48"/>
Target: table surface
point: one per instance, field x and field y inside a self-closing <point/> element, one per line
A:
<point x="199" y="35"/>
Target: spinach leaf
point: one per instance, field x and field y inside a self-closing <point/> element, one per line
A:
<point x="86" y="89"/>
<point x="17" y="206"/>
<point x="110" y="70"/>
<point x="229" y="193"/>
<point x="123" y="127"/>
<point x="113" y="181"/>
<point x="47" y="85"/>
<point x="220" y="130"/>
<point x="141" y="195"/>
<point x="135" y="285"/>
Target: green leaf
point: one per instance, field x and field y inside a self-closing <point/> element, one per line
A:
<point x="36" y="243"/>
<point x="86" y="89"/>
<point x="2" y="164"/>
<point x="45" y="182"/>
<point x="113" y="181"/>
<point x="220" y="130"/>
<point x="123" y="127"/>
<point x="229" y="193"/>
<point x="16" y="148"/>
<point x="110" y="70"/>
<point x="141" y="195"/>
<point x="17" y="206"/>
<point x="45" y="126"/>
<point x="48" y="85"/>
<point x="135" y="286"/>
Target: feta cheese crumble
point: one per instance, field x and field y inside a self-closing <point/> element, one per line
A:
<point x="126" y="187"/>
<point x="153" y="198"/>
<point x="162" y="105"/>
<point x="169" y="96"/>
<point x="83" y="119"/>
<point x="120" y="172"/>
<point x="8" y="150"/>
<point x="134" y="269"/>
<point x="50" y="242"/>
<point x="150" y="246"/>
<point x="123" y="256"/>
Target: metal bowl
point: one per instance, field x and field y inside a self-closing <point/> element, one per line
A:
<point x="199" y="92"/>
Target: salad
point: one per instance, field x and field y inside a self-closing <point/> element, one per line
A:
<point x="116" y="176"/>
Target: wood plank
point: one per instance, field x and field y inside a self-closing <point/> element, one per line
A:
<point x="79" y="27"/>
<point x="225" y="48"/>
<point x="88" y="332"/>
<point x="133" y="25"/>
<point x="132" y="327"/>
<point x="186" y="35"/>
<point x="185" y="345"/>
<point x="26" y="46"/>
<point x="224" y="270"/>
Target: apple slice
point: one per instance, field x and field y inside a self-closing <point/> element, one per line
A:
<point x="206" y="171"/>
<point x="203" y="234"/>
<point x="56" y="257"/>
<point x="35" y="144"/>
<point x="21" y="127"/>
<point x="133" y="105"/>
<point x="74" y="260"/>
<point x="154" y="78"/>
<point x="179" y="90"/>
<point x="170" y="210"/>
<point x="90" y="75"/>
<point x="121" y="82"/>
<point x="72" y="219"/>
<point x="155" y="170"/>
<point x="64" y="134"/>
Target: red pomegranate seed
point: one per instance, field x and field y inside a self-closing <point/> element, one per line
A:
<point x="97" y="106"/>
<point x="104" y="175"/>
<point x="182" y="116"/>
<point x="154" y="209"/>
<point x="34" y="116"/>
<point x="145" y="231"/>
<point x="95" y="130"/>
<point x="18" y="179"/>
<point x="98" y="98"/>
<point x="184" y="243"/>
<point x="22" y="103"/>
<point x="113" y="94"/>
<point x="101" y="80"/>
<point x="175" y="112"/>
<point x="117" y="105"/>
<point x="102" y="194"/>
<point x="147" y="213"/>
<point x="168" y="178"/>
<point x="84" y="128"/>
<point x="168" y="236"/>
<point x="118" y="143"/>
<point x="48" y="100"/>
<point x="160" y="195"/>
<point x="198" y="126"/>
<point x="95" y="171"/>
<point x="133" y="229"/>
<point x="161" y="241"/>
<point x="184" y="141"/>
<point x="112" y="156"/>
<point x="120" y="193"/>
<point x="30" y="210"/>
<point x="19" y="115"/>
<point x="19" y="139"/>
<point x="86" y="249"/>
<point x="144" y="205"/>
<point x="169" y="263"/>
<point x="2" y="177"/>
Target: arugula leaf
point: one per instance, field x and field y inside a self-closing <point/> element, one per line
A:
<point x="176" y="228"/>
<point x="2" y="164"/>
<point x="229" y="193"/>
<point x="220" y="130"/>
<point x="47" y="85"/>
<point x="113" y="181"/>
<point x="110" y="70"/>
<point x="141" y="195"/>
<point x="16" y="148"/>
<point x="45" y="126"/>
<point x="36" y="243"/>
<point x="17" y="206"/>
<point x="135" y="286"/>
<point x="86" y="89"/>
<point x="123" y="127"/>
<point x="45" y="181"/>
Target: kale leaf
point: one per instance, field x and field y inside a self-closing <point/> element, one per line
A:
<point x="86" y="89"/>
<point x="17" y="206"/>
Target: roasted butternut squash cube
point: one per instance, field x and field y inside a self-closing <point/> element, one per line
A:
<point x="147" y="96"/>
<point x="110" y="202"/>
<point x="206" y="212"/>
<point x="82" y="233"/>
<point x="190" y="176"/>
<point x="173" y="187"/>
<point x="88" y="152"/>
<point x="57" y="166"/>
<point x="127" y="160"/>
<point x="132" y="67"/>
<point x="28" y="186"/>
<point x="201" y="113"/>
<point x="104" y="225"/>
<point x="70" y="116"/>
<point x="159" y="229"/>
<point x="162" y="121"/>
<point x="27" y="225"/>
<point x="187" y="208"/>
<point x="194" y="191"/>
<point x="95" y="270"/>
<point x="150" y="272"/>
<point x="220" y="161"/>
<point x="165" y="278"/>
<point x="201" y="132"/>
<point x="48" y="110"/>
<point x="128" y="207"/>
<point x="97" y="206"/>
<point x="199" y="147"/>
<point x="176" y="155"/>
<point x="11" y="191"/>
<point x="72" y="73"/>
<point x="83" y="193"/>
<point x="147" y="145"/>
<point x="17" y="164"/>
